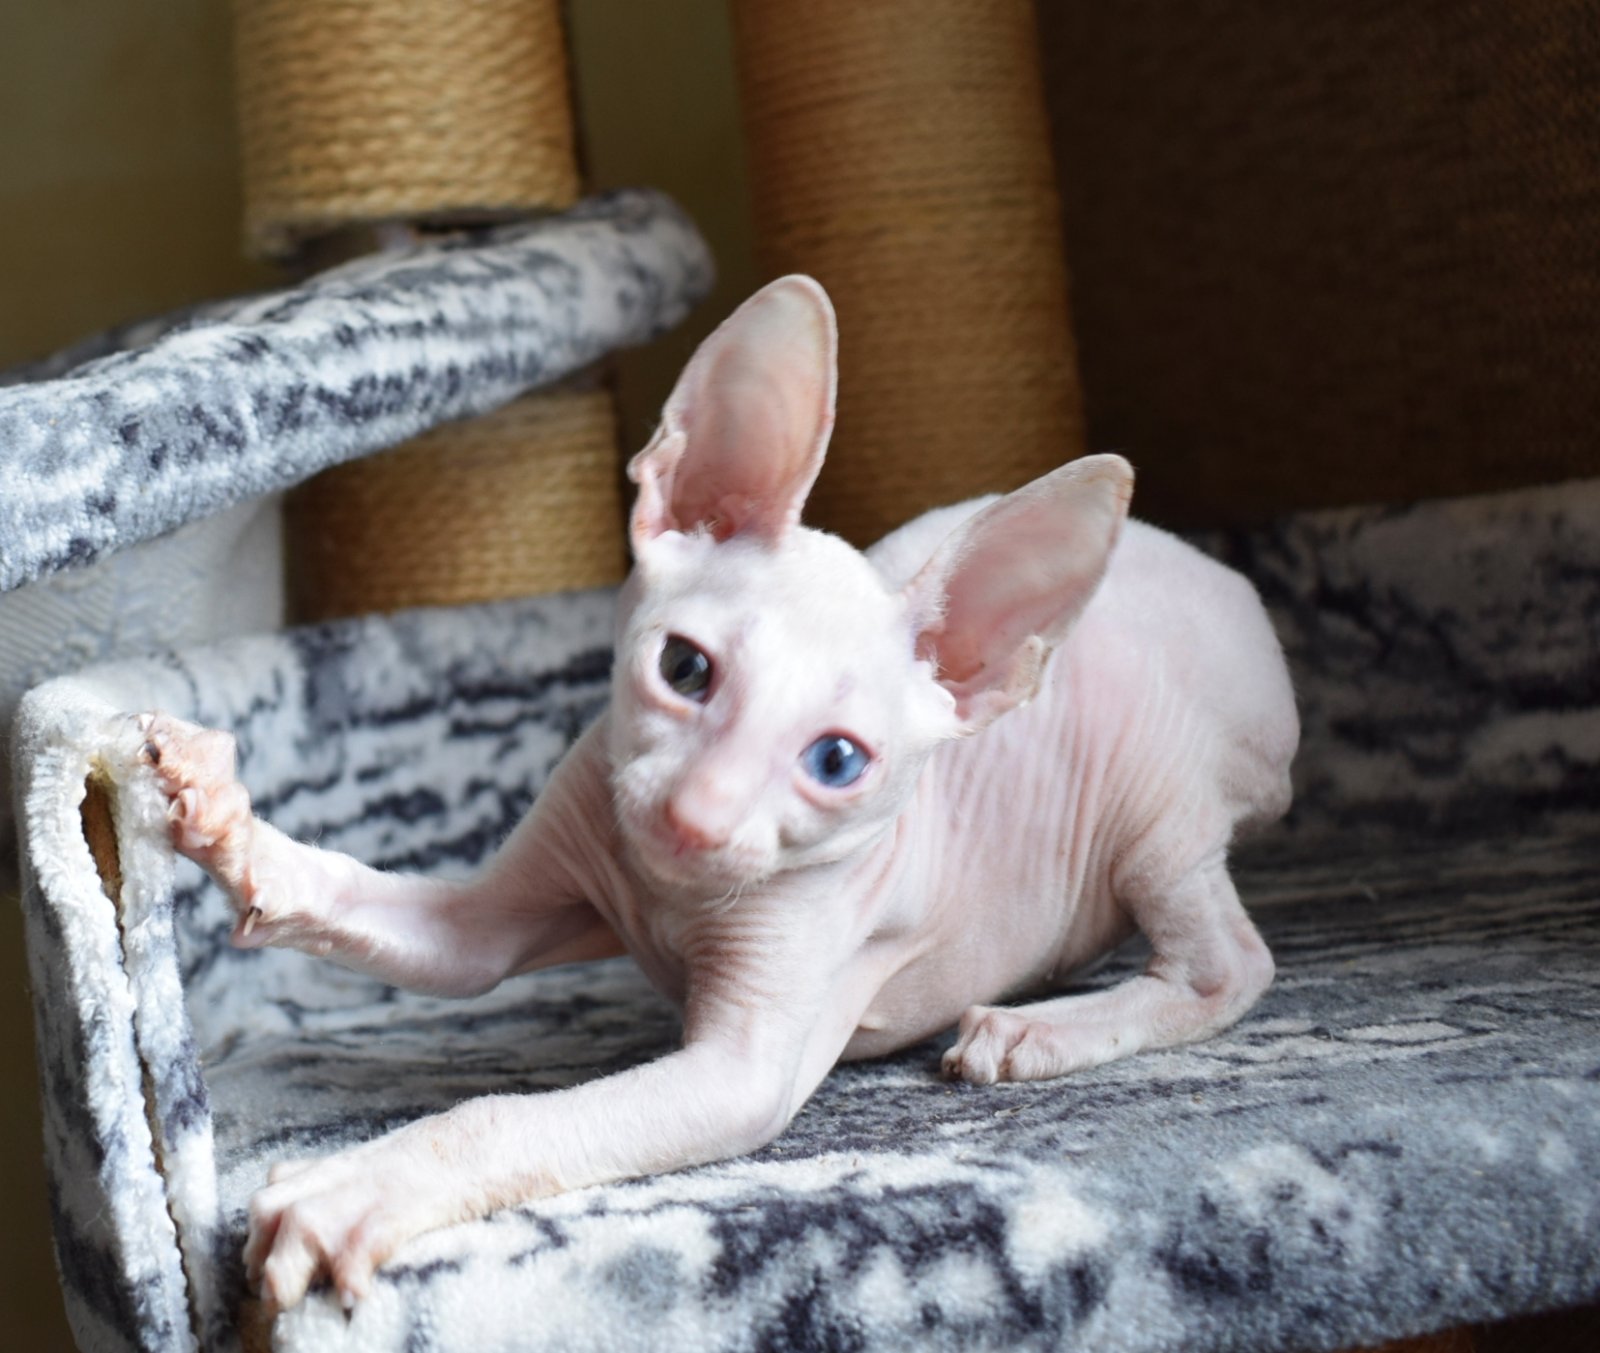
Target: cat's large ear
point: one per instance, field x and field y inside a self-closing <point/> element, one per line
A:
<point x="743" y="434"/>
<point x="1006" y="586"/>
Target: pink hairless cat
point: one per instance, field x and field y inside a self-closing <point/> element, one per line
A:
<point x="839" y="802"/>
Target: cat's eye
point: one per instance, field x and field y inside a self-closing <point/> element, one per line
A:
<point x="685" y="668"/>
<point x="834" y="760"/>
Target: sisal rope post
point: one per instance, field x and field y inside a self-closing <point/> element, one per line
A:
<point x="363" y="112"/>
<point x="444" y="520"/>
<point x="357" y="114"/>
<point x="899" y="153"/>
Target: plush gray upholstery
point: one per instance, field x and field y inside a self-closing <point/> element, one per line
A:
<point x="1405" y="1134"/>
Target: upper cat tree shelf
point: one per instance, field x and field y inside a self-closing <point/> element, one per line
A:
<point x="187" y="416"/>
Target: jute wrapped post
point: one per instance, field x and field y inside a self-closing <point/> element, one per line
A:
<point x="356" y="113"/>
<point x="445" y="519"/>
<point x="899" y="153"/>
<point x="359" y="112"/>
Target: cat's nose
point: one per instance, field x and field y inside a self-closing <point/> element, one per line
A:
<point x="693" y="830"/>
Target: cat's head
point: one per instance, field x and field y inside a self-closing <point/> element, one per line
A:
<point x="775" y="699"/>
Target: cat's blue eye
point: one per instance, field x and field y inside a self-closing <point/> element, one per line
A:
<point x="685" y="668"/>
<point x="834" y="760"/>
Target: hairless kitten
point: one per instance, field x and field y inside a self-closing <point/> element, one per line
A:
<point x="838" y="803"/>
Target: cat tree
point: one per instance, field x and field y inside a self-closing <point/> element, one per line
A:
<point x="1399" y="1138"/>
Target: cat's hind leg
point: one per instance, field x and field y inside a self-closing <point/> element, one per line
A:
<point x="1209" y="966"/>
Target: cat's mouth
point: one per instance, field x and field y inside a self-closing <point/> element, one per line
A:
<point x="661" y="852"/>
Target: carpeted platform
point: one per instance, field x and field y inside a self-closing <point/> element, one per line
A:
<point x="1404" y="1135"/>
<point x="1401" y="1136"/>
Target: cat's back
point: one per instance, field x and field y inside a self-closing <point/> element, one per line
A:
<point x="1169" y="629"/>
<point x="1159" y="591"/>
<point x="1191" y="635"/>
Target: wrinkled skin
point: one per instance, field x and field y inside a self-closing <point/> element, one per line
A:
<point x="1015" y="818"/>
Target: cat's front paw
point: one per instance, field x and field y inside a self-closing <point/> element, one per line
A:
<point x="210" y="812"/>
<point x="341" y="1217"/>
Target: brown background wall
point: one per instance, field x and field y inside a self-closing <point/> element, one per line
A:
<point x="1332" y="253"/>
<point x="118" y="188"/>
